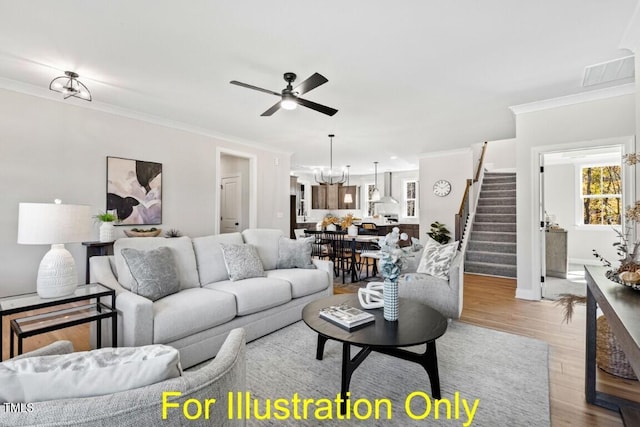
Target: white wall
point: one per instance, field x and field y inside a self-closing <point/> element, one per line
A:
<point x="51" y="149"/>
<point x="561" y="194"/>
<point x="575" y="125"/>
<point x="455" y="166"/>
<point x="501" y="156"/>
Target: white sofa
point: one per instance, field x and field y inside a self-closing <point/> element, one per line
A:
<point x="197" y="319"/>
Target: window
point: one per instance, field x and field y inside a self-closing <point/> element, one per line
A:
<point x="601" y="194"/>
<point x="410" y="209"/>
<point x="370" y="205"/>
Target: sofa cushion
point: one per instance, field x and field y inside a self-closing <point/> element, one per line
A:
<point x="190" y="311"/>
<point x="303" y="282"/>
<point x="182" y="251"/>
<point x="242" y="261"/>
<point x="436" y="259"/>
<point x="295" y="253"/>
<point x="211" y="267"/>
<point x="257" y="294"/>
<point x="154" y="272"/>
<point x="266" y="243"/>
<point x="87" y="373"/>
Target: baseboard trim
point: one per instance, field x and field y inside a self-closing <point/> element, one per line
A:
<point x="527" y="294"/>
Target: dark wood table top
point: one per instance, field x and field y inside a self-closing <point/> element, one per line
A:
<point x="416" y="324"/>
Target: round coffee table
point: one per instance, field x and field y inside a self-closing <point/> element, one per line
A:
<point x="417" y="324"/>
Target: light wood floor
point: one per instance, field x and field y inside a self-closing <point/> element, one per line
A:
<point x="490" y="302"/>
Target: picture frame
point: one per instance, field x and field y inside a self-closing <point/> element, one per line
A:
<point x="134" y="191"/>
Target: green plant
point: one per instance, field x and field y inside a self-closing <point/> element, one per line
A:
<point x="173" y="233"/>
<point x="439" y="233"/>
<point x="106" y="217"/>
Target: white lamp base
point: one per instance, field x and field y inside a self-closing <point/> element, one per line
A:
<point x="57" y="275"/>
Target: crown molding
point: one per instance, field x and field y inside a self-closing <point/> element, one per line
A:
<point x="39" y="92"/>
<point x="592" y="95"/>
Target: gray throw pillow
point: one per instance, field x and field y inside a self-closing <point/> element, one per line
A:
<point x="295" y="253"/>
<point x="436" y="259"/>
<point x="242" y="261"/>
<point x="154" y="272"/>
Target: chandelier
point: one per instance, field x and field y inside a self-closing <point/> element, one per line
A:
<point x="329" y="179"/>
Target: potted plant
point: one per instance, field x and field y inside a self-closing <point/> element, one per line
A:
<point x="439" y="233"/>
<point x="347" y="224"/>
<point x="106" y="228"/>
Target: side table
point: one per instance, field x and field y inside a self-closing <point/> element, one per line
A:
<point x="61" y="317"/>
<point x="97" y="249"/>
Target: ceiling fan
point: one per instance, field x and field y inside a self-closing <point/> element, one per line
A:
<point x="290" y="96"/>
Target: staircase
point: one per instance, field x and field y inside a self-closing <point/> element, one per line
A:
<point x="491" y="247"/>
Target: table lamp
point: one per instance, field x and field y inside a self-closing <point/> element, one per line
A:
<point x="54" y="224"/>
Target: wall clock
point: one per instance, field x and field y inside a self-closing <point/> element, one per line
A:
<point x="442" y="188"/>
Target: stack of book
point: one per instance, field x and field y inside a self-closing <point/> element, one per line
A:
<point x="347" y="317"/>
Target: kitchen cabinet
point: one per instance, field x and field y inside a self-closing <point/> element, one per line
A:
<point x="332" y="196"/>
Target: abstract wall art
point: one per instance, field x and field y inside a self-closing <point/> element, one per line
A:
<point x="134" y="190"/>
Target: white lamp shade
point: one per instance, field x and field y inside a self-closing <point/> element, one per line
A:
<point x="375" y="195"/>
<point x="348" y="198"/>
<point x="51" y="223"/>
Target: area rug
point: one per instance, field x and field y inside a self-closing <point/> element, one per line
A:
<point x="505" y="375"/>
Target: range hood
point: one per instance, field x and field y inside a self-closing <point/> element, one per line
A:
<point x="386" y="198"/>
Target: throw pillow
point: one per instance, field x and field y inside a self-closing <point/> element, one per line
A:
<point x="87" y="373"/>
<point x="154" y="272"/>
<point x="295" y="253"/>
<point x="242" y="261"/>
<point x="436" y="259"/>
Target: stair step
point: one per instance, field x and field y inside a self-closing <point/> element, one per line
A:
<point x="497" y="193"/>
<point x="491" y="269"/>
<point x="486" y="217"/>
<point x="491" y="257"/>
<point x="508" y="227"/>
<point x="496" y="179"/>
<point x="491" y="236"/>
<point x="500" y="247"/>
<point x="498" y="186"/>
<point x="496" y="201"/>
<point x="496" y="209"/>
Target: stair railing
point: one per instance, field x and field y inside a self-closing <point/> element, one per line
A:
<point x="466" y="206"/>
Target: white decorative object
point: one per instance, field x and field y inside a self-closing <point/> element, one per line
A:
<point x="372" y="295"/>
<point x="390" y="294"/>
<point x="54" y="224"/>
<point x="331" y="227"/>
<point x="107" y="231"/>
<point x="352" y="230"/>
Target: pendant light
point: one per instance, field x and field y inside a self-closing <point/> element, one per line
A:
<point x="347" y="196"/>
<point x="375" y="194"/>
<point x="330" y="179"/>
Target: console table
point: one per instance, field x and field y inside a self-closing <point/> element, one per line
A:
<point x="96" y="249"/>
<point x="621" y="307"/>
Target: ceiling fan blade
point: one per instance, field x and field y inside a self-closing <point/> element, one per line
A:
<point x="272" y="110"/>
<point x="311" y="83"/>
<point x="314" y="106"/>
<point x="234" y="82"/>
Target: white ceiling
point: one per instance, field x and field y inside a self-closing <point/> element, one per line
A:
<point x="407" y="77"/>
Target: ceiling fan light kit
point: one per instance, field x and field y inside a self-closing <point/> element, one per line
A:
<point x="290" y="96"/>
<point x="69" y="86"/>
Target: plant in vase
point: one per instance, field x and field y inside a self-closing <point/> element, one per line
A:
<point x="107" y="220"/>
<point x="347" y="224"/>
<point x="329" y="222"/>
<point x="391" y="261"/>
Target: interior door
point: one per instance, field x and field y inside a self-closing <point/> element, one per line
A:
<point x="230" y="204"/>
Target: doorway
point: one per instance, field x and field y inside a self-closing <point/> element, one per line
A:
<point x="583" y="191"/>
<point x="236" y="181"/>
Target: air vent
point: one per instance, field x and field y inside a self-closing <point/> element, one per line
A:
<point x="617" y="69"/>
